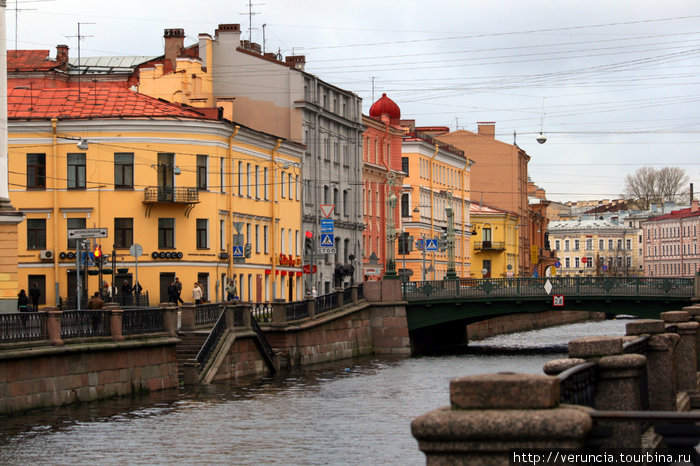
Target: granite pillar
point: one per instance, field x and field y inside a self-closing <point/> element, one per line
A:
<point x="491" y="415"/>
<point x="187" y="316"/>
<point x="685" y="356"/>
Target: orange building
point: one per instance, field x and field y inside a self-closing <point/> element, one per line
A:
<point x="499" y="179"/>
<point x="381" y="156"/>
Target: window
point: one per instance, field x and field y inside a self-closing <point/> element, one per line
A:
<point x="282" y="190"/>
<point x="36" y="233"/>
<point x="297" y="188"/>
<point x="202" y="172"/>
<point x="36" y="171"/>
<point x="265" y="183"/>
<point x="290" y="187"/>
<point x="629" y="261"/>
<point x="577" y="262"/>
<point x="123" y="232"/>
<point x="567" y="262"/>
<point x="601" y="244"/>
<point x="222" y="234"/>
<point x="202" y="233"/>
<point x="265" y="236"/>
<point x="577" y="245"/>
<point x="405" y="207"/>
<point x="74" y="224"/>
<point x="166" y="232"/>
<point x="222" y="174"/>
<point x="257" y="182"/>
<point x="610" y="245"/>
<point x="123" y="170"/>
<point x="619" y="244"/>
<point x="257" y="239"/>
<point x="247" y="179"/>
<point x="566" y="245"/>
<point x="335" y="197"/>
<point x="589" y="244"/>
<point x="629" y="244"/>
<point x="404" y="165"/>
<point x="345" y="202"/>
<point x="240" y="178"/>
<point x="557" y="245"/>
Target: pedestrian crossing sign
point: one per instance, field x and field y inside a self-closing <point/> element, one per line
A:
<point x="326" y="239"/>
<point x="431" y="244"/>
<point x="238" y="251"/>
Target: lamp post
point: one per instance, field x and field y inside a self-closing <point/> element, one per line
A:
<point x="390" y="270"/>
<point x="451" y="274"/>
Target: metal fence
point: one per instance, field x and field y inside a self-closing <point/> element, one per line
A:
<point x="212" y="341"/>
<point x="82" y="324"/>
<point x="262" y="312"/>
<point x="207" y="313"/>
<point x="535" y="287"/>
<point x="297" y="310"/>
<point x="123" y="299"/>
<point x="578" y="384"/>
<point x="326" y="303"/>
<point x="138" y="321"/>
<point x="22" y="326"/>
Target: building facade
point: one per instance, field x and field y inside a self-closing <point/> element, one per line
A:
<point x="381" y="157"/>
<point x="494" y="243"/>
<point x="437" y="177"/>
<point x="671" y="243"/>
<point x="176" y="182"/>
<point x="593" y="247"/>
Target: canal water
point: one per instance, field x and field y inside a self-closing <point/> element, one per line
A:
<point x="349" y="412"/>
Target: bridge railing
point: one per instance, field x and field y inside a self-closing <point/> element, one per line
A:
<point x="473" y="288"/>
<point x="207" y="313"/>
<point x="141" y="321"/>
<point x="22" y="326"/>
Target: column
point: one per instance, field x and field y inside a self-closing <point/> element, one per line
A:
<point x="685" y="356"/>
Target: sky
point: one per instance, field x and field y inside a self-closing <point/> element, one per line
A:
<point x="614" y="86"/>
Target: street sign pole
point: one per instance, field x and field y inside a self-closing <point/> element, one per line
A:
<point x="78" y="285"/>
<point x="422" y="235"/>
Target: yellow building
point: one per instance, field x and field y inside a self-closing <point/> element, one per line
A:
<point x="171" y="179"/>
<point x="494" y="242"/>
<point x="437" y="177"/>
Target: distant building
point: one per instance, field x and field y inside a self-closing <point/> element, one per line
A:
<point x="670" y="243"/>
<point x="494" y="242"/>
<point x="593" y="247"/>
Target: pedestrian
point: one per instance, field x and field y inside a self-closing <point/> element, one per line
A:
<point x="137" y="293"/>
<point x="314" y="293"/>
<point x="35" y="294"/>
<point x="172" y="293"/>
<point x="231" y="291"/>
<point x="178" y="285"/>
<point x="95" y="304"/>
<point x="197" y="293"/>
<point x="23" y="305"/>
<point x="106" y="291"/>
<point x="125" y="297"/>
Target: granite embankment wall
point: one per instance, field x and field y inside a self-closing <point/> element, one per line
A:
<point x="530" y="321"/>
<point x="48" y="376"/>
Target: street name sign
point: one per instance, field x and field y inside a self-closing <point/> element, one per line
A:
<point x="87" y="233"/>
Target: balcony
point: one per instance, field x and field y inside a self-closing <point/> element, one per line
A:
<point x="170" y="195"/>
<point x="489" y="245"/>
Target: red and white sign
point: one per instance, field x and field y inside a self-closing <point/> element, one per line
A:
<point x="327" y="209"/>
<point x="558" y="300"/>
<point x="307" y="268"/>
<point x="584" y="259"/>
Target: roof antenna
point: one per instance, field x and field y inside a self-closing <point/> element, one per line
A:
<point x="80" y="37"/>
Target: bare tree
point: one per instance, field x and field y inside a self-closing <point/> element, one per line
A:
<point x="648" y="185"/>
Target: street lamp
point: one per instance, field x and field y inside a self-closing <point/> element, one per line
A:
<point x="390" y="271"/>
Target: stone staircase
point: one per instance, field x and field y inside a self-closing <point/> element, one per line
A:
<point x="188" y="347"/>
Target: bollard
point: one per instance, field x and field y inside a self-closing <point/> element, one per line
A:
<point x="492" y="415"/>
<point x="53" y="325"/>
<point x="170" y="318"/>
<point x="661" y="378"/>
<point x="279" y="314"/>
<point x="685" y="355"/>
<point x="187" y="316"/>
<point x="116" y="321"/>
<point x="618" y="386"/>
<point x="694" y="313"/>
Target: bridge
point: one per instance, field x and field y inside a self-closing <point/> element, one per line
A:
<point x="438" y="311"/>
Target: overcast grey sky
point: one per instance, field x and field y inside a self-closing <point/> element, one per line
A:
<point x="613" y="85"/>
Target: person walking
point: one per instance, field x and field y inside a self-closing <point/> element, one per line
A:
<point x="178" y="285"/>
<point x="23" y="305"/>
<point x="197" y="293"/>
<point x="314" y="293"/>
<point x="137" y="293"/>
<point x="95" y="304"/>
<point x="231" y="291"/>
<point x="35" y="294"/>
<point x="172" y="293"/>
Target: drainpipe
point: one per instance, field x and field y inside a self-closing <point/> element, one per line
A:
<point x="273" y="218"/>
<point x="229" y="204"/>
<point x="432" y="205"/>
<point x="54" y="147"/>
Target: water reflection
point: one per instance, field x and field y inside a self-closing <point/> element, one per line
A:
<point x="348" y="412"/>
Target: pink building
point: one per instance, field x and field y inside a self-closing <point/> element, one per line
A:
<point x="671" y="243"/>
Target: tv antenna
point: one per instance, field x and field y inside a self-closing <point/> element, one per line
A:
<point x="17" y="9"/>
<point x="80" y="37"/>
<point x="250" y="14"/>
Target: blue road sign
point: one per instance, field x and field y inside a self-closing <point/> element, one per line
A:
<point x="605" y="267"/>
<point x="327" y="240"/>
<point x="557" y="264"/>
<point x="327" y="225"/>
<point x="431" y="244"/>
<point x="238" y="251"/>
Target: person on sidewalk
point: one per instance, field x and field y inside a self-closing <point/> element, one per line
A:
<point x="35" y="294"/>
<point x="197" y="293"/>
<point x="23" y="305"/>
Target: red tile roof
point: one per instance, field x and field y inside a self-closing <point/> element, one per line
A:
<point x="95" y="102"/>
<point x="30" y="60"/>
<point x="682" y="213"/>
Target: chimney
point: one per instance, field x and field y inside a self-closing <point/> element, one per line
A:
<point x="296" y="61"/>
<point x="229" y="34"/>
<point x="62" y="55"/>
<point x="174" y="43"/>
<point x="693" y="206"/>
<point x="487" y="128"/>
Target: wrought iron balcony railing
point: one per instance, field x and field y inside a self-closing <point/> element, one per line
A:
<point x="156" y="194"/>
<point x="489" y="245"/>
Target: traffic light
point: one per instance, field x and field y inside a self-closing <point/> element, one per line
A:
<point x="97" y="253"/>
<point x="442" y="241"/>
<point x="309" y="242"/>
<point x="405" y="243"/>
<point x="247" y="249"/>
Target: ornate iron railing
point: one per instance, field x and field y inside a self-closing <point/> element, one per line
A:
<point x="639" y="346"/>
<point x="262" y="312"/>
<point x="489" y="245"/>
<point x="212" y="341"/>
<point x="138" y="321"/>
<point x="207" y="313"/>
<point x="81" y="324"/>
<point x="123" y="299"/>
<point x="474" y="288"/>
<point x="22" y="326"/>
<point x="326" y="303"/>
<point x="578" y="384"/>
<point x="262" y="339"/>
<point x="297" y="310"/>
<point x="175" y="195"/>
<point x="347" y="296"/>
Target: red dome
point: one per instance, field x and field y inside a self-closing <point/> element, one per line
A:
<point x="385" y="106"/>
